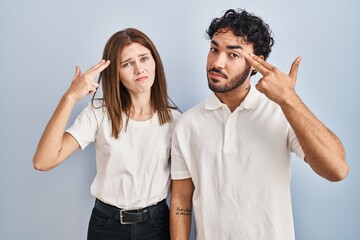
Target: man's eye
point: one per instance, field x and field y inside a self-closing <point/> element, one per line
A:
<point x="213" y="49"/>
<point x="234" y="55"/>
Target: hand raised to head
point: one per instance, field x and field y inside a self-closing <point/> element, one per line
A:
<point x="83" y="83"/>
<point x="276" y="85"/>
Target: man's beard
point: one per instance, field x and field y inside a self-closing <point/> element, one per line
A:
<point x="229" y="85"/>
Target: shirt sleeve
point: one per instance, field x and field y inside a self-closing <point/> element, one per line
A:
<point x="179" y="169"/>
<point x="85" y="127"/>
<point x="294" y="144"/>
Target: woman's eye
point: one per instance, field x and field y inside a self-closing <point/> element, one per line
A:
<point x="144" y="59"/>
<point x="126" y="65"/>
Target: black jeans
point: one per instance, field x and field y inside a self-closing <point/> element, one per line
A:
<point x="102" y="227"/>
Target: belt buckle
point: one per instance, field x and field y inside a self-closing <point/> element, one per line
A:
<point x="121" y="218"/>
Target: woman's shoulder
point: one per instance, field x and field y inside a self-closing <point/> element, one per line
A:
<point x="97" y="103"/>
<point x="97" y="107"/>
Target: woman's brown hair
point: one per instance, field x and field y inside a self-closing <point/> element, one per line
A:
<point x="116" y="97"/>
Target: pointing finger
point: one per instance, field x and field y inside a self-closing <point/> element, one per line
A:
<point x="264" y="63"/>
<point x="96" y="69"/>
<point x="95" y="66"/>
<point x="103" y="66"/>
<point x="259" y="64"/>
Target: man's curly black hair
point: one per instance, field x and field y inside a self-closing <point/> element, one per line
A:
<point x="243" y="24"/>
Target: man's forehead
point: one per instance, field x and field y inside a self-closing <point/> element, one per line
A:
<point x="227" y="37"/>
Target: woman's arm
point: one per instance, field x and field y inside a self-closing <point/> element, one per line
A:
<point x="55" y="145"/>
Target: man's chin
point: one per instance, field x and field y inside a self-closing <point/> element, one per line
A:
<point x="216" y="88"/>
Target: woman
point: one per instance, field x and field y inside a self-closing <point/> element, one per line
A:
<point x="131" y="127"/>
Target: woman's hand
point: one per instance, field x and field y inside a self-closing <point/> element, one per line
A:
<point x="83" y="83"/>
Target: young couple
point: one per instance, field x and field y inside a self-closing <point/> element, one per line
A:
<point x="228" y="157"/>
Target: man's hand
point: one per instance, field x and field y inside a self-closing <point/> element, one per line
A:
<point x="323" y="150"/>
<point x="276" y="85"/>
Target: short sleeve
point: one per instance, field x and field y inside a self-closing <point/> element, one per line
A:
<point x="295" y="145"/>
<point x="85" y="127"/>
<point x="179" y="169"/>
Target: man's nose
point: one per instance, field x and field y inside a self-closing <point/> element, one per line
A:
<point x="219" y="61"/>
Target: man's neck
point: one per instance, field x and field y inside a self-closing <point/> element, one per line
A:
<point x="235" y="97"/>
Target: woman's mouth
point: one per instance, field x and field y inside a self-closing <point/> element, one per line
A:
<point x="139" y="79"/>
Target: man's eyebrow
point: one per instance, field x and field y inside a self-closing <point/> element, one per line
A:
<point x="235" y="47"/>
<point x="214" y="43"/>
<point x="231" y="47"/>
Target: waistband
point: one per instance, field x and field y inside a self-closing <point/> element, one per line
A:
<point x="131" y="216"/>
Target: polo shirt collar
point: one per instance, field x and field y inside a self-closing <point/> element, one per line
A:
<point x="251" y="100"/>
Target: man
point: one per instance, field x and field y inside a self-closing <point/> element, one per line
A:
<point x="231" y="153"/>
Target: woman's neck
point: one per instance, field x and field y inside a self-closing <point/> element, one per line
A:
<point x="141" y="108"/>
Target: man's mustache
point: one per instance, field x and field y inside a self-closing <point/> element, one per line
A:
<point x="218" y="71"/>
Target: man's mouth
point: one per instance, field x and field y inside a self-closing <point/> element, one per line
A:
<point x="214" y="72"/>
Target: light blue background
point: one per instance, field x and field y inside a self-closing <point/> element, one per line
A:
<point x="42" y="41"/>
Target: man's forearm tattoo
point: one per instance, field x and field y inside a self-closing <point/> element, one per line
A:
<point x="183" y="211"/>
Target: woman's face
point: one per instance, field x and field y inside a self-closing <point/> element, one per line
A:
<point x="137" y="69"/>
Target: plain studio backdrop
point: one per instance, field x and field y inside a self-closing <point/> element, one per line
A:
<point x="42" y="41"/>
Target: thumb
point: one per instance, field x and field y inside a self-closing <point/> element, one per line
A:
<point x="294" y="68"/>
<point x="259" y="85"/>
<point x="77" y="72"/>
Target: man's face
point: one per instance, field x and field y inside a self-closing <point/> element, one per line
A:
<point x="227" y="69"/>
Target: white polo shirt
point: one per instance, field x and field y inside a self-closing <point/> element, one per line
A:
<point x="240" y="165"/>
<point x="132" y="171"/>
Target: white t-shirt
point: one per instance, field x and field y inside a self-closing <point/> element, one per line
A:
<point x="240" y="165"/>
<point x="133" y="171"/>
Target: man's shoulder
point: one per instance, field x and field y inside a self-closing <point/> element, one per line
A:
<point x="194" y="111"/>
<point x="175" y="112"/>
<point x="191" y="116"/>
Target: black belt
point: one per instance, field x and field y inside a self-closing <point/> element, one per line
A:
<point x="131" y="216"/>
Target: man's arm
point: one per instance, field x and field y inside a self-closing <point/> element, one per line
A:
<point x="181" y="208"/>
<point x="323" y="150"/>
